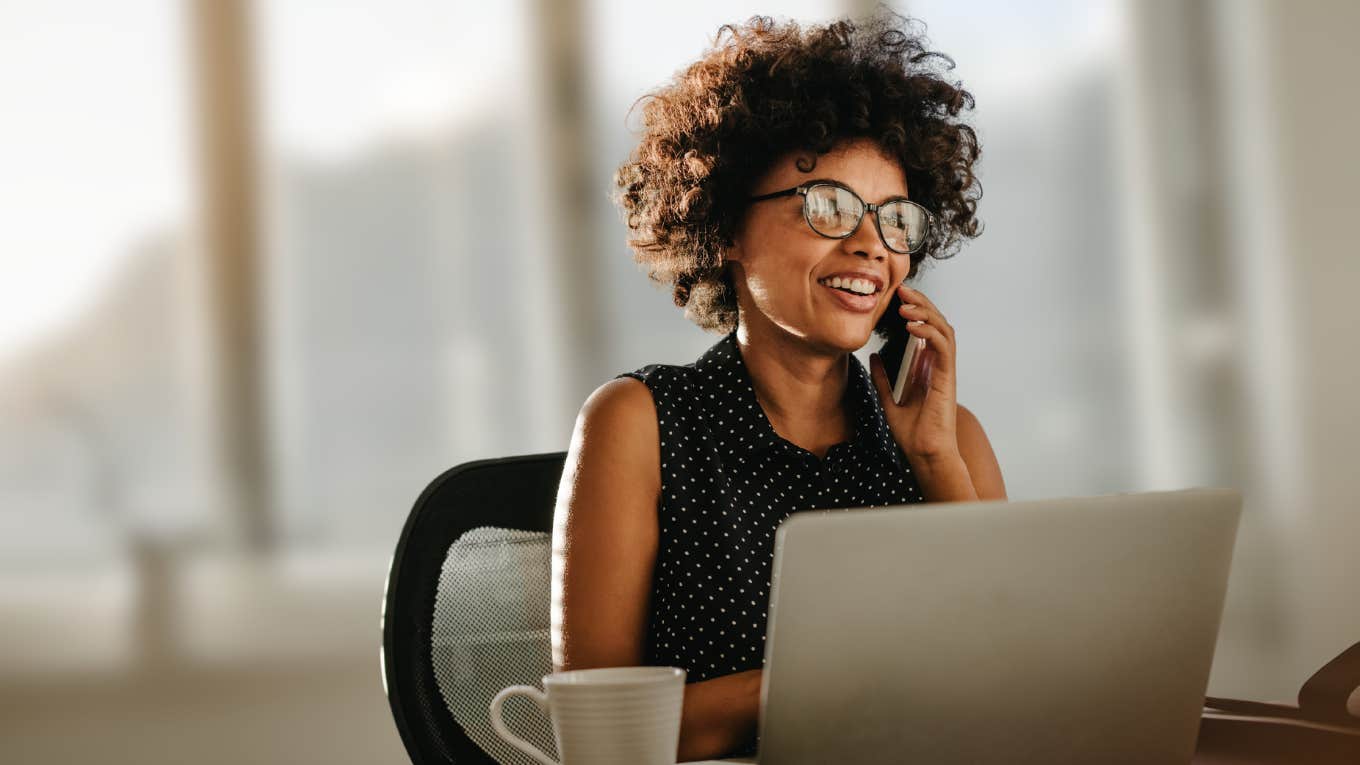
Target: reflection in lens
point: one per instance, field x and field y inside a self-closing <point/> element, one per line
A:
<point x="850" y="211"/>
<point x="892" y="220"/>
<point x="832" y="211"/>
<point x="903" y="225"/>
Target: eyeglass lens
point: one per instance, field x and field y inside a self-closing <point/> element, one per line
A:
<point x="835" y="212"/>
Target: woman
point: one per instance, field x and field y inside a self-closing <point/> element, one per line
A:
<point x="785" y="187"/>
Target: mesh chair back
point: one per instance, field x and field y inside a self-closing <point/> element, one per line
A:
<point x="466" y="610"/>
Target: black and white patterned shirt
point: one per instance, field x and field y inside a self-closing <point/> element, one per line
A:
<point x="727" y="480"/>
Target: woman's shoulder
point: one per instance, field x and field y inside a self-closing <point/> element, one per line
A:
<point x="631" y="403"/>
<point x="618" y="401"/>
<point x="660" y="377"/>
<point x="652" y="392"/>
<point x="617" y="425"/>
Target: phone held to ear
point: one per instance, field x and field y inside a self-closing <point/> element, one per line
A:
<point x="904" y="360"/>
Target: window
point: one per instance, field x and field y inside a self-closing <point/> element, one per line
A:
<point x="98" y="432"/>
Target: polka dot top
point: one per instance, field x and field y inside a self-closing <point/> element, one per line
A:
<point x="727" y="480"/>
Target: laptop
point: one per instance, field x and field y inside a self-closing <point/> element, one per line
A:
<point x="1074" y="630"/>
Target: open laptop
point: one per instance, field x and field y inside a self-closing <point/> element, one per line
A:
<point x="1075" y="630"/>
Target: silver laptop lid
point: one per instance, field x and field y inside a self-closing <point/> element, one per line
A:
<point x="1054" y="631"/>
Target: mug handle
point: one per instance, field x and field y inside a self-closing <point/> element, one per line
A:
<point x="539" y="698"/>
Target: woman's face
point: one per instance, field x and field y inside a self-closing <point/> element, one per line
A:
<point x="782" y="268"/>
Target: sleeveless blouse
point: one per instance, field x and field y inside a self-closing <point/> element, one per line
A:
<point x="727" y="480"/>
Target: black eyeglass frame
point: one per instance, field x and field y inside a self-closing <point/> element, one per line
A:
<point x="803" y="190"/>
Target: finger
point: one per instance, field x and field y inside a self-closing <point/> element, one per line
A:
<point x="916" y="297"/>
<point x="928" y="312"/>
<point x="937" y="341"/>
<point x="921" y="313"/>
<point x="909" y="311"/>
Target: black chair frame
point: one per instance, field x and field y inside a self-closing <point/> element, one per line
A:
<point x="511" y="492"/>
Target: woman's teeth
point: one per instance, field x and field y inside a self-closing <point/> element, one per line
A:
<point x="857" y="286"/>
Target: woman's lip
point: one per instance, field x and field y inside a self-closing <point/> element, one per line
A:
<point x="856" y="303"/>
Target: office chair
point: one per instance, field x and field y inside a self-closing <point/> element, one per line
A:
<point x="465" y="611"/>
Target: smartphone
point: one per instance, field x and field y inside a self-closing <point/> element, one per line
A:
<point x="902" y="357"/>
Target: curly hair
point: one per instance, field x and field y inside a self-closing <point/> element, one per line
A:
<point x="763" y="90"/>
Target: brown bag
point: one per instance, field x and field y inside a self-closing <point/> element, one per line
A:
<point x="1321" y="730"/>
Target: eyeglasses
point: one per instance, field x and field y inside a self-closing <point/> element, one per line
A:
<point x="835" y="211"/>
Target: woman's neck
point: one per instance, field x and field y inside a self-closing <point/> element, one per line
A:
<point x="801" y="389"/>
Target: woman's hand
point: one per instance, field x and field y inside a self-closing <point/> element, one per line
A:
<point x="719" y="715"/>
<point x="924" y="424"/>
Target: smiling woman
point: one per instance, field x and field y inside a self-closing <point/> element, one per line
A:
<point x="724" y="121"/>
<point x="785" y="187"/>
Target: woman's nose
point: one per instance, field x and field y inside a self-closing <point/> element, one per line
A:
<point x="864" y="240"/>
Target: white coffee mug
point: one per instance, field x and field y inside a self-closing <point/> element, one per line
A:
<point x="607" y="716"/>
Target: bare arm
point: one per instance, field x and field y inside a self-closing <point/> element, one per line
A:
<point x="971" y="474"/>
<point x="605" y="530"/>
<point x="983" y="468"/>
<point x="605" y="538"/>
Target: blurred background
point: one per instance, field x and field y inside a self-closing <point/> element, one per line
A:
<point x="267" y="268"/>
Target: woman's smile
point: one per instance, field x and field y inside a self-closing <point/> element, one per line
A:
<point x="857" y="293"/>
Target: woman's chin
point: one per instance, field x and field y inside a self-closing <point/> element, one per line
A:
<point x="848" y="336"/>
